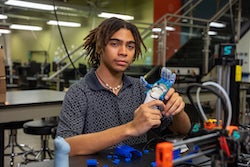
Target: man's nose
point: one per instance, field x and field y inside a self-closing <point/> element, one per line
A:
<point x="123" y="50"/>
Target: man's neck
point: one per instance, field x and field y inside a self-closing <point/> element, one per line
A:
<point x="111" y="78"/>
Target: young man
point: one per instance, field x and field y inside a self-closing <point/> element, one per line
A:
<point x="107" y="107"/>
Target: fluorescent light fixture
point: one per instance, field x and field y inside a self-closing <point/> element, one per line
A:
<point x="217" y="25"/>
<point x="212" y="33"/>
<point x="3" y="16"/>
<point x="32" y="5"/>
<point x="25" y="27"/>
<point x="156" y="29"/>
<point x="64" y="23"/>
<point x="168" y="28"/>
<point x="184" y="20"/>
<point x="121" y="16"/>
<point x="5" y="31"/>
<point x="154" y="36"/>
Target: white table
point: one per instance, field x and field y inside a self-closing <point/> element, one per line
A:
<point x="28" y="104"/>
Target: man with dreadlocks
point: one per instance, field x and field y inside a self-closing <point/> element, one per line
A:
<point x="106" y="107"/>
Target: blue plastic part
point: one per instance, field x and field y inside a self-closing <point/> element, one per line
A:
<point x="62" y="149"/>
<point x="116" y="161"/>
<point x="159" y="89"/>
<point x="127" y="159"/>
<point x="153" y="164"/>
<point x="177" y="153"/>
<point x="195" y="150"/>
<point x="92" y="162"/>
<point x="127" y="152"/>
<point x="109" y="156"/>
<point x="146" y="151"/>
<point x="105" y="166"/>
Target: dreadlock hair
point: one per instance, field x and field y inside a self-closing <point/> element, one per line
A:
<point x="99" y="37"/>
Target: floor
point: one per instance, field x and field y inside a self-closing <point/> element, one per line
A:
<point x="22" y="138"/>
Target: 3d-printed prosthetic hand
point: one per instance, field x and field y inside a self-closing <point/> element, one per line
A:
<point x="159" y="89"/>
<point x="62" y="149"/>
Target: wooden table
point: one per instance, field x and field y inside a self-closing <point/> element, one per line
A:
<point x="28" y="104"/>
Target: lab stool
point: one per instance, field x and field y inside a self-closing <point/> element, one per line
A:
<point x="43" y="128"/>
<point x="13" y="148"/>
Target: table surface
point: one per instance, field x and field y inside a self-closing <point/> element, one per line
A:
<point x="23" y="105"/>
<point x="28" y="97"/>
<point x="31" y="104"/>
<point x="102" y="159"/>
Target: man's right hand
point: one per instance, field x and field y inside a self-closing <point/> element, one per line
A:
<point x="146" y="116"/>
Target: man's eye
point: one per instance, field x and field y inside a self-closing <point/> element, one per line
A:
<point x="131" y="46"/>
<point x="114" y="43"/>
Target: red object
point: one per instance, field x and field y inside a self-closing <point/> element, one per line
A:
<point x="224" y="146"/>
<point x="164" y="154"/>
<point x="162" y="8"/>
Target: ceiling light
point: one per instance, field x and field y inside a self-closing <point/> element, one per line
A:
<point x="212" y="33"/>
<point x="168" y="28"/>
<point x="25" y="27"/>
<point x="5" y="31"/>
<point x="64" y="23"/>
<point x="154" y="36"/>
<point x="156" y="29"/>
<point x="32" y="5"/>
<point x="3" y="16"/>
<point x="184" y="20"/>
<point x="121" y="16"/>
<point x="217" y="25"/>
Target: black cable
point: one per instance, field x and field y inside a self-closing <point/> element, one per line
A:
<point x="61" y="36"/>
<point x="214" y="92"/>
<point x="232" y="21"/>
<point x="152" y="141"/>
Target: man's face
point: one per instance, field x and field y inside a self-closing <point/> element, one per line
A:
<point x="119" y="51"/>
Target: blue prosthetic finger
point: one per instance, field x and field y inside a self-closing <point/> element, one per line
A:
<point x="145" y="83"/>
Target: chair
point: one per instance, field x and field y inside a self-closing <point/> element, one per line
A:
<point x="43" y="128"/>
<point x="13" y="148"/>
